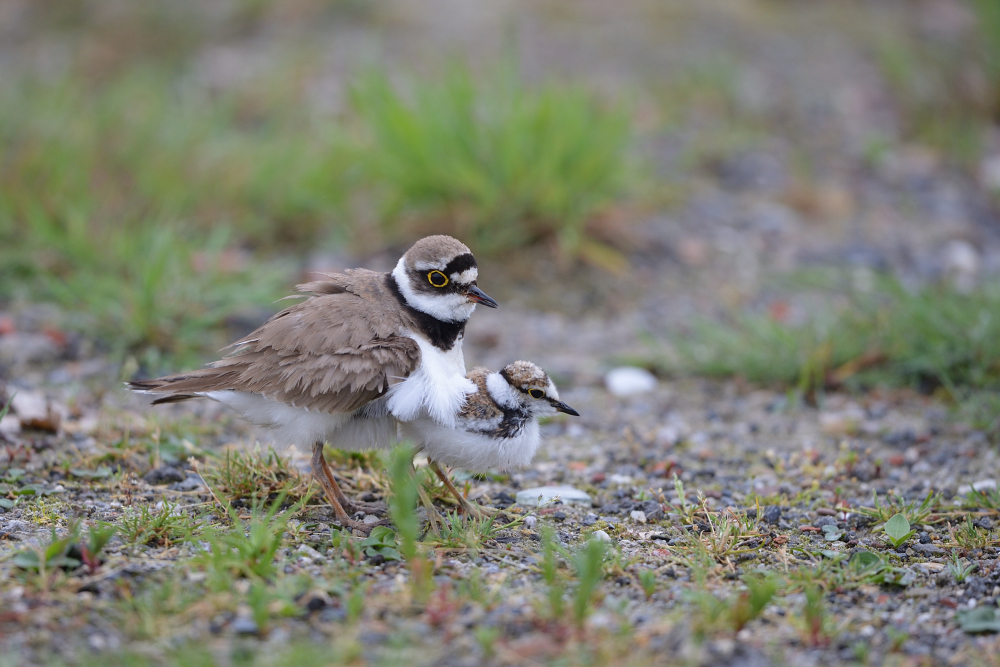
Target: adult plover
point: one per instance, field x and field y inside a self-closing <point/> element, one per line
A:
<point x="497" y="428"/>
<point x="362" y="350"/>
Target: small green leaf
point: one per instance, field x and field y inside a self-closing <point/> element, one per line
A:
<point x="26" y="560"/>
<point x="980" y="619"/>
<point x="380" y="536"/>
<point x="6" y="504"/>
<point x="832" y="533"/>
<point x="898" y="529"/>
<point x="863" y="560"/>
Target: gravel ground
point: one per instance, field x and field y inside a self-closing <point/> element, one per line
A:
<point x="785" y="483"/>
<point x="739" y="451"/>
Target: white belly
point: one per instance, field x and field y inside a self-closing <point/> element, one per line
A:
<point x="302" y="427"/>
<point x="472" y="451"/>
<point x="437" y="389"/>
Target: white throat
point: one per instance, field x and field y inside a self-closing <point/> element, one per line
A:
<point x="446" y="307"/>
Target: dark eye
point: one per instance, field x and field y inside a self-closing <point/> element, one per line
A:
<point x="437" y="279"/>
<point x="536" y="393"/>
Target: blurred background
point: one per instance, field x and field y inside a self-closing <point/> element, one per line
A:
<point x="801" y="193"/>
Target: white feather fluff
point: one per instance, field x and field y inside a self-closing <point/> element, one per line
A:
<point x="368" y="428"/>
<point x="460" y="448"/>
<point x="436" y="389"/>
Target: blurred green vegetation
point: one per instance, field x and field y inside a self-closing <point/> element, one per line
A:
<point x="154" y="211"/>
<point x="490" y="160"/>
<point x="930" y="339"/>
<point x="947" y="92"/>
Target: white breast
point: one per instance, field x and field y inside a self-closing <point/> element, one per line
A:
<point x="437" y="389"/>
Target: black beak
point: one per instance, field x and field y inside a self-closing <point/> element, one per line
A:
<point x="479" y="296"/>
<point x="562" y="407"/>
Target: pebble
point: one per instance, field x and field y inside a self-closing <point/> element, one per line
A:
<point x="629" y="381"/>
<point x="191" y="483"/>
<point x="568" y="494"/>
<point x="10" y="425"/>
<point x="164" y="475"/>
<point x="772" y="515"/>
<point x="927" y="549"/>
<point x="243" y="625"/>
<point x="530" y="521"/>
<point x="638" y="516"/>
<point x="981" y="485"/>
<point x="601" y="535"/>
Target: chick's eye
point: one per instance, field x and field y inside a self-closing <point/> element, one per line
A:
<point x="437" y="279"/>
<point x="536" y="393"/>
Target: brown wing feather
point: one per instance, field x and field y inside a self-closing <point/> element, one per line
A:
<point x="333" y="352"/>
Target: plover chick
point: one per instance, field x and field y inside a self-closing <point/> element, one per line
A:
<point x="362" y="350"/>
<point x="496" y="429"/>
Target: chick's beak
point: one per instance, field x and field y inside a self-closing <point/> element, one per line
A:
<point x="479" y="296"/>
<point x="562" y="407"/>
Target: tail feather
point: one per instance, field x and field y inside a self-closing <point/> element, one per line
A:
<point x="174" y="398"/>
<point x="184" y="386"/>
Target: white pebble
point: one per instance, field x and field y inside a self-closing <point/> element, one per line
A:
<point x="629" y="380"/>
<point x="601" y="536"/>
<point x="541" y="495"/>
<point x="638" y="516"/>
<point x="530" y="521"/>
<point x="981" y="485"/>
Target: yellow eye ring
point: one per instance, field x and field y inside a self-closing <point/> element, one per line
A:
<point x="437" y="278"/>
<point x="536" y="393"/>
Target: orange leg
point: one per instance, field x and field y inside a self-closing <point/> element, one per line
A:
<point x="323" y="474"/>
<point x="470" y="509"/>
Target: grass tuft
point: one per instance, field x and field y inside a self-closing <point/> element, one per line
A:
<point x="255" y="475"/>
<point x="493" y="161"/>
<point x="928" y="339"/>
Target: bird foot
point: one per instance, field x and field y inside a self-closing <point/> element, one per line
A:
<point x="354" y="508"/>
<point x="361" y="527"/>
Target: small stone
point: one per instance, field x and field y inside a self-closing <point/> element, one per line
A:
<point x="981" y="485"/>
<point x="927" y="549"/>
<point x="590" y="519"/>
<point x="370" y="519"/>
<point x="545" y="494"/>
<point x="30" y="406"/>
<point x="530" y="521"/>
<point x="989" y="172"/>
<point x="601" y="535"/>
<point x="638" y="516"/>
<point x="243" y="625"/>
<point x="10" y="425"/>
<point x="629" y="381"/>
<point x="34" y="411"/>
<point x="309" y="552"/>
<point x="772" y="515"/>
<point x="559" y="516"/>
<point x="164" y="475"/>
<point x="190" y="483"/>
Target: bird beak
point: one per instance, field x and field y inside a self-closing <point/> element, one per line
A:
<point x="479" y="296"/>
<point x="562" y="407"/>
